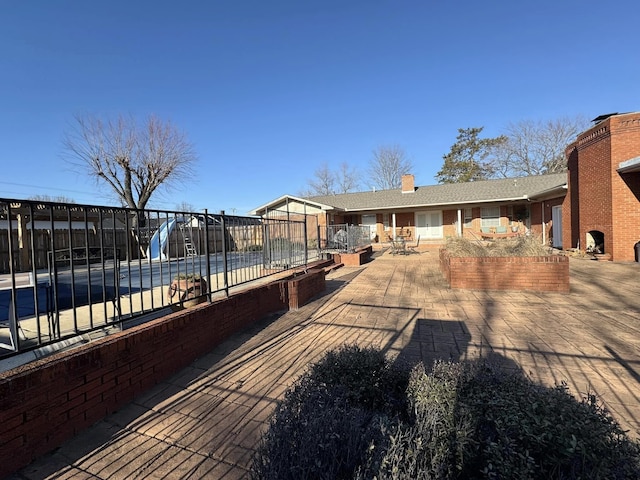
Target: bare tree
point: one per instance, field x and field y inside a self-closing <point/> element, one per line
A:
<point x="185" y="207"/>
<point x="323" y="182"/>
<point x="329" y="182"/>
<point x="536" y="147"/>
<point x="388" y="165"/>
<point x="347" y="178"/>
<point x="133" y="159"/>
<point x="56" y="199"/>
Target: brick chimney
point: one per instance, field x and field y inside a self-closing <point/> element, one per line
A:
<point x="408" y="183"/>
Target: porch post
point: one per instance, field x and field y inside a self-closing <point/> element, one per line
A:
<point x="544" y="227"/>
<point x="393" y="223"/>
<point x="459" y="226"/>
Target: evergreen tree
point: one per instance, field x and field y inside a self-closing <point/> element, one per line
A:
<point x="467" y="159"/>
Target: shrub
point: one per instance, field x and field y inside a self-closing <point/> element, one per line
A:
<point x="477" y="420"/>
<point x="324" y="425"/>
<point x="468" y="420"/>
<point x="367" y="377"/>
<point x="527" y="246"/>
<point x="189" y="277"/>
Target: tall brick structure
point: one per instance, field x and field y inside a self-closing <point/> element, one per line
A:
<point x="601" y="210"/>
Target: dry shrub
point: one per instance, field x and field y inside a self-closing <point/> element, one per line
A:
<point x="344" y="419"/>
<point x="527" y="246"/>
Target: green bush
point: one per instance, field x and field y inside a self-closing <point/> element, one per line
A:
<point x="356" y="415"/>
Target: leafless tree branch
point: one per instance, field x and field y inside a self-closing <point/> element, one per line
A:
<point x="133" y="159"/>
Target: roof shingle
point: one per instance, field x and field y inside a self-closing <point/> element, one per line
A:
<point x="506" y="189"/>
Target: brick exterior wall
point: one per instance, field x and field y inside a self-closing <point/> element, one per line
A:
<point x="46" y="402"/>
<point x="449" y="221"/>
<point x="542" y="215"/>
<point x="625" y="145"/>
<point x="599" y="198"/>
<point x="538" y="274"/>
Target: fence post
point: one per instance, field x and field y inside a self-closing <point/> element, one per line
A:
<point x="306" y="243"/>
<point x="206" y="251"/>
<point x="224" y="253"/>
<point x="13" y="303"/>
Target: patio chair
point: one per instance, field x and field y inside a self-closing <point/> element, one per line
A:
<point x="414" y="248"/>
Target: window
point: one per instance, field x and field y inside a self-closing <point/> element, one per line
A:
<point x="468" y="217"/>
<point x="490" y="216"/>
<point x="368" y="220"/>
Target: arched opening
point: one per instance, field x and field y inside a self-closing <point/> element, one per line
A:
<point x="595" y="242"/>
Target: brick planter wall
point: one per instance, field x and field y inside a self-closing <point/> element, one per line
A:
<point x="538" y="274"/>
<point x="303" y="288"/>
<point x="46" y="402"/>
<point x="355" y="259"/>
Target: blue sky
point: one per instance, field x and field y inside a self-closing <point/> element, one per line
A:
<point x="268" y="91"/>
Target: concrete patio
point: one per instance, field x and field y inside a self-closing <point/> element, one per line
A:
<point x="206" y="421"/>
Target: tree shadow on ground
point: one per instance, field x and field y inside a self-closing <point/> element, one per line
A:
<point x="445" y="340"/>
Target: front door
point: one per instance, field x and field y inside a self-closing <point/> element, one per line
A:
<point x="429" y="224"/>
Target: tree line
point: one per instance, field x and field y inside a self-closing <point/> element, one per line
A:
<point x="136" y="158"/>
<point x="526" y="148"/>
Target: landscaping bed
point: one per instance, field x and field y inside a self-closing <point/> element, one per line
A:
<point x="516" y="264"/>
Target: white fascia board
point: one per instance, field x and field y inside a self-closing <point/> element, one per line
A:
<point x="549" y="193"/>
<point x="632" y="165"/>
<point x="282" y="200"/>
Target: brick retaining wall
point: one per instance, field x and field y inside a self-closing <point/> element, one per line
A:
<point x="46" y="402"/>
<point x="305" y="287"/>
<point x="538" y="274"/>
<point x="354" y="259"/>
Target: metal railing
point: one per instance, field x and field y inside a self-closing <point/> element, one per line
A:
<point x="67" y="269"/>
<point x="344" y="238"/>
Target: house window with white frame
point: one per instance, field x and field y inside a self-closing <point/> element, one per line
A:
<point x="490" y="216"/>
<point x="468" y="217"/>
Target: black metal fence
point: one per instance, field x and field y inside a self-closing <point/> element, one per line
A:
<point x="67" y="270"/>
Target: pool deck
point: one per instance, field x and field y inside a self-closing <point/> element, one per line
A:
<point x="205" y="421"/>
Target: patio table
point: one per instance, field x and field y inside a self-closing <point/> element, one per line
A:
<point x="399" y="246"/>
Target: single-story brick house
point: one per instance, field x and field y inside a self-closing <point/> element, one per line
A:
<point x="595" y="206"/>
<point x="435" y="212"/>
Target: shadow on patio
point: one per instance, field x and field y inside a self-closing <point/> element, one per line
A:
<point x="207" y="420"/>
